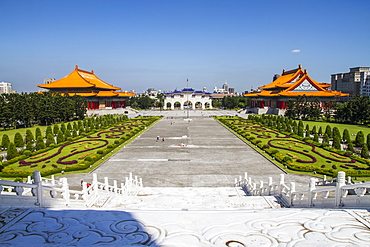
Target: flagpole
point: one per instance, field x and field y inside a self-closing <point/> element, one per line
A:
<point x="187" y="96"/>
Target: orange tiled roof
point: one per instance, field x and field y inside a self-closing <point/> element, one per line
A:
<point x="127" y="94"/>
<point x="83" y="94"/>
<point x="294" y="83"/>
<point x="79" y="79"/>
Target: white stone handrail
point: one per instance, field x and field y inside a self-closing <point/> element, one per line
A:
<point x="343" y="194"/>
<point x="59" y="189"/>
<point x="19" y="188"/>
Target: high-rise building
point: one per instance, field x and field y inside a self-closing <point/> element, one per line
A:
<point x="349" y="82"/>
<point x="225" y="87"/>
<point x="365" y="83"/>
<point x="5" y="87"/>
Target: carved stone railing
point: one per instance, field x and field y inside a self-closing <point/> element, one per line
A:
<point x="342" y="193"/>
<point x="45" y="192"/>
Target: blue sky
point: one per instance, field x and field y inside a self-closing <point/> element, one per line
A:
<point x="142" y="44"/>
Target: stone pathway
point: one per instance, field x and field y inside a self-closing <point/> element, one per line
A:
<point x="199" y="153"/>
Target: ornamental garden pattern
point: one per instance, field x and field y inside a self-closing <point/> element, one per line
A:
<point x="295" y="154"/>
<point x="77" y="154"/>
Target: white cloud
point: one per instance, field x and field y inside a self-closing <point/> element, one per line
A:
<point x="296" y="51"/>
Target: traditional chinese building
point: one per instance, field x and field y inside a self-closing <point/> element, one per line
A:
<point x="187" y="98"/>
<point x="99" y="94"/>
<point x="273" y="98"/>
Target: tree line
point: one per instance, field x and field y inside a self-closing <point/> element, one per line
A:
<point x="29" y="109"/>
<point x="354" y="111"/>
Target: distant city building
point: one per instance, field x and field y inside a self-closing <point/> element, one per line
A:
<point x="349" y="82"/>
<point x="48" y="80"/>
<point x="219" y="90"/>
<point x="187" y="98"/>
<point x="225" y="87"/>
<point x="151" y="92"/>
<point x="5" y="87"/>
<point x="365" y="83"/>
<point x="273" y="97"/>
<point x="232" y="90"/>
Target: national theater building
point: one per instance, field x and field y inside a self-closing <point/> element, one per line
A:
<point x="273" y="98"/>
<point x="99" y="94"/>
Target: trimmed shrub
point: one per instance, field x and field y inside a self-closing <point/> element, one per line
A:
<point x="360" y="139"/>
<point x="49" y="140"/>
<point x="29" y="136"/>
<point x="27" y="153"/>
<point x="60" y="137"/>
<point x="11" y="152"/>
<point x="38" y="133"/>
<point x="346" y="136"/>
<point x="48" y="131"/>
<point x="365" y="152"/>
<point x="18" y="140"/>
<point x="5" y="141"/>
<point x="40" y="143"/>
<point x="336" y="143"/>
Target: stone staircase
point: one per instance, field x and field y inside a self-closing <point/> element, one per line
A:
<point x="192" y="198"/>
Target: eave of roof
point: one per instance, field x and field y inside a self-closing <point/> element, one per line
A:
<point x="79" y="79"/>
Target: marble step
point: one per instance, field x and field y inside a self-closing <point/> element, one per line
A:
<point x="192" y="198"/>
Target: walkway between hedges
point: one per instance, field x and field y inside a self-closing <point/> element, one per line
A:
<point x="199" y="153"/>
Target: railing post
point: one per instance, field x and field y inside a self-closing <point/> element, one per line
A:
<point x="123" y="189"/>
<point x="29" y="180"/>
<point x="65" y="187"/>
<point x="312" y="187"/>
<point x="52" y="180"/>
<point x="269" y="186"/>
<point x="281" y="182"/>
<point x="341" y="181"/>
<point x="84" y="192"/>
<point x="261" y="187"/>
<point x="39" y="191"/>
<point x="95" y="178"/>
<point x="106" y="184"/>
<point x="292" y="190"/>
<point x="115" y="186"/>
<point x="245" y="177"/>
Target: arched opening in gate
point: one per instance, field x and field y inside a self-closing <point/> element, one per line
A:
<point x="168" y="105"/>
<point x="188" y="105"/>
<point x="207" y="105"/>
<point x="198" y="105"/>
<point x="177" y="105"/>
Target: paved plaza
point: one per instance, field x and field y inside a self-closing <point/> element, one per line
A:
<point x="196" y="153"/>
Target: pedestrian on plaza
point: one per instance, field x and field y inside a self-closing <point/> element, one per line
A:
<point x="157" y="138"/>
<point x="162" y="139"/>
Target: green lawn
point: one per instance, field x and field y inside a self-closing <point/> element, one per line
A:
<point x="352" y="129"/>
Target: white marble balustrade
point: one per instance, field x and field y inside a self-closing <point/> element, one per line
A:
<point x="326" y="193"/>
<point x="45" y="192"/>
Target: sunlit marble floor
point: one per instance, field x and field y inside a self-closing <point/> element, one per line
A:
<point x="264" y="227"/>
